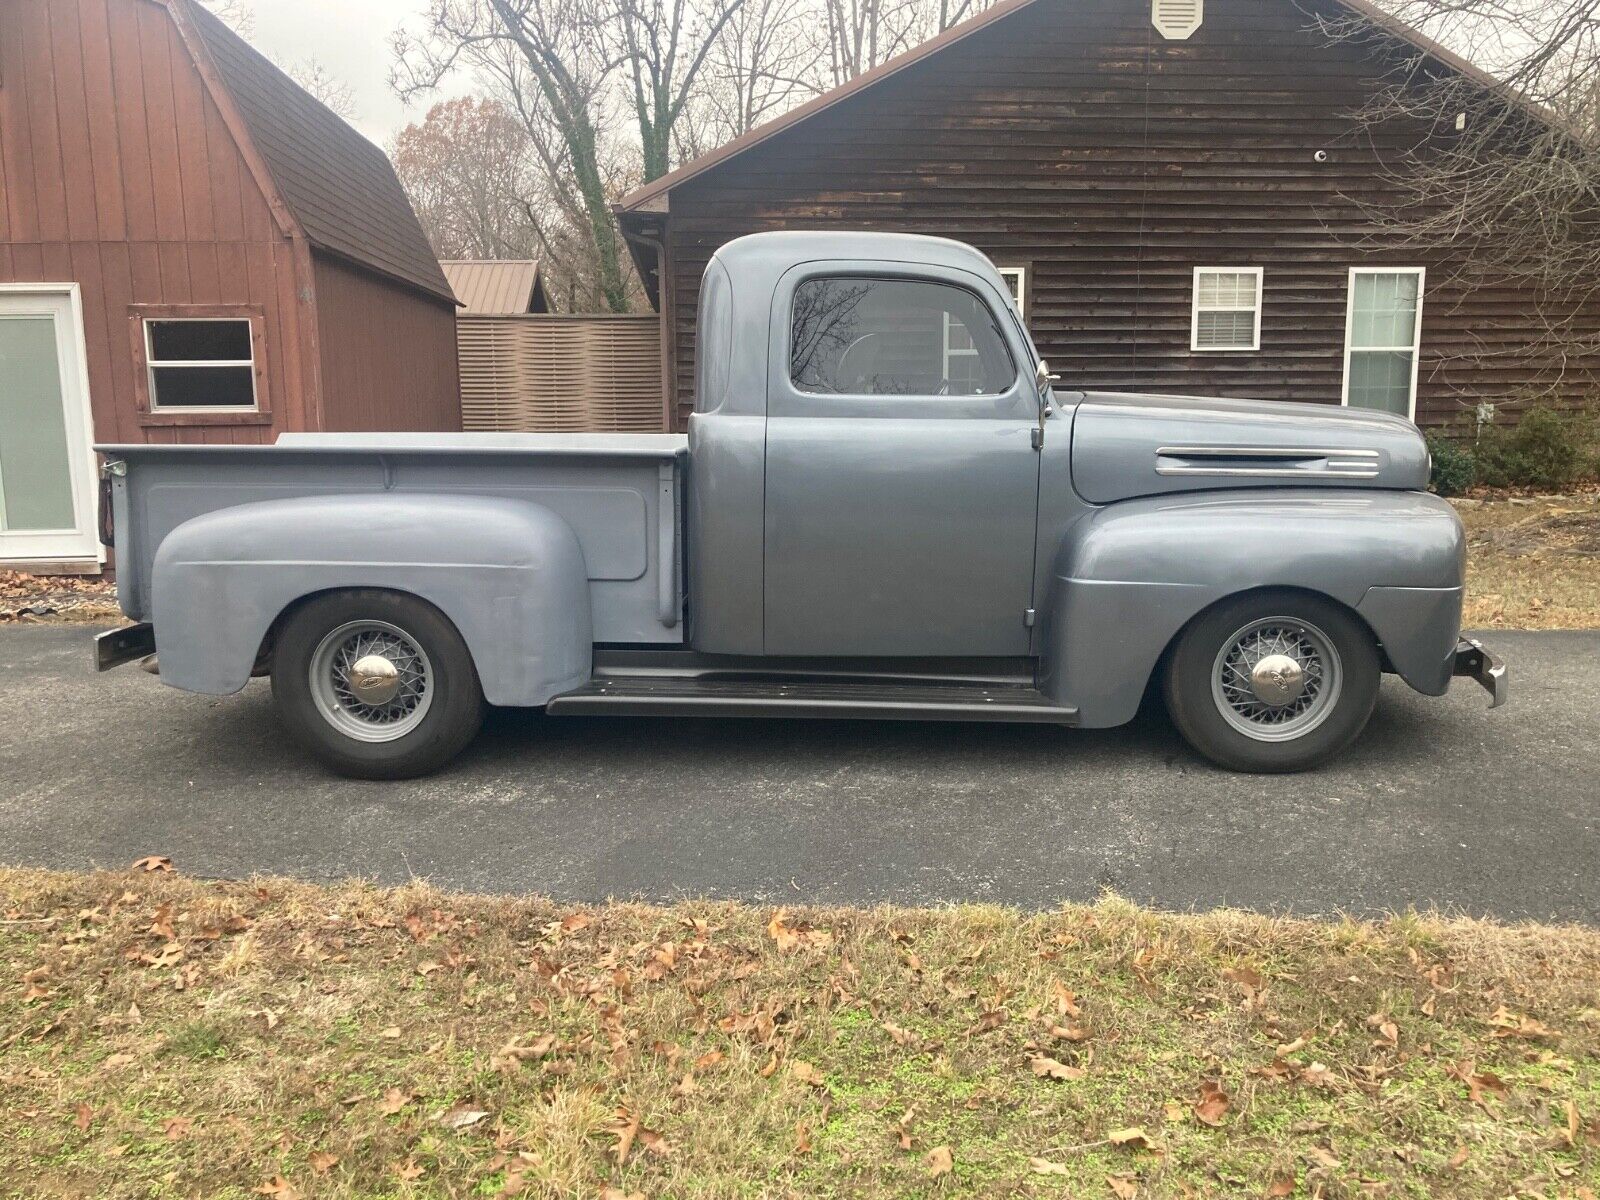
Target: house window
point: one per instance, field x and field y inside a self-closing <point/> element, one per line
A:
<point x="1227" y="309"/>
<point x="1017" y="280"/>
<point x="200" y="363"/>
<point x="860" y="336"/>
<point x="1383" y="334"/>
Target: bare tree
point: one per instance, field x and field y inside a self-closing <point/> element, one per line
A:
<point x="665" y="45"/>
<point x="469" y="170"/>
<point x="309" y="73"/>
<point x="770" y="57"/>
<point x="1509" y="168"/>
<point x="546" y="57"/>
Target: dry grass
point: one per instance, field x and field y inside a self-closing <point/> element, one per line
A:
<point x="1533" y="562"/>
<point x="162" y="1037"/>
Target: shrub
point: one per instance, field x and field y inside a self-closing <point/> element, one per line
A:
<point x="1545" y="449"/>
<point x="1455" y="469"/>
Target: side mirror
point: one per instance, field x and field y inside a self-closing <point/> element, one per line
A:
<point x="1042" y="377"/>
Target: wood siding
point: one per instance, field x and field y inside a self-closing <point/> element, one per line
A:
<point x="120" y="172"/>
<point x="1070" y="138"/>
<point x="548" y="374"/>
<point x="388" y="354"/>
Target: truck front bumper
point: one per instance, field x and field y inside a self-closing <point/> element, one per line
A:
<point x="123" y="645"/>
<point x="1473" y="661"/>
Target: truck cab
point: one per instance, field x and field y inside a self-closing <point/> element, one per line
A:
<point x="886" y="506"/>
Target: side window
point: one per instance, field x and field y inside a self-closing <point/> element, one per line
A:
<point x="860" y="336"/>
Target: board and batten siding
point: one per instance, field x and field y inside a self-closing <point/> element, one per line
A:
<point x="1069" y="137"/>
<point x="537" y="373"/>
<point x="118" y="173"/>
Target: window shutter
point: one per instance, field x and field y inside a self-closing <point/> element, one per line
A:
<point x="1177" y="19"/>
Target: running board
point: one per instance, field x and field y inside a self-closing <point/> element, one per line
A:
<point x="688" y="697"/>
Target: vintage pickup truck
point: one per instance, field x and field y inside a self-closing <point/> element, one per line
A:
<point x="885" y="507"/>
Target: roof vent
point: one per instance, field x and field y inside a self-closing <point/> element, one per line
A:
<point x="1177" y="19"/>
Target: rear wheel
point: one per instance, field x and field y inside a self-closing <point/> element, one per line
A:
<point x="1272" y="682"/>
<point x="377" y="685"/>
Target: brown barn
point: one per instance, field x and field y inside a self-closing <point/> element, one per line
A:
<point x="192" y="249"/>
<point x="1173" y="187"/>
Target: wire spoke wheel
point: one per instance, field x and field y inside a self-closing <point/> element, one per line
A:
<point x="371" y="681"/>
<point x="1276" y="679"/>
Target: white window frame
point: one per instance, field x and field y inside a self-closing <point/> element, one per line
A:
<point x="1019" y="294"/>
<point x="955" y="352"/>
<point x="1416" y="333"/>
<point x="1195" y="310"/>
<point x="150" y="365"/>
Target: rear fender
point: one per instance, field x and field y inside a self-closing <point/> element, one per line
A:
<point x="508" y="573"/>
<point x="1128" y="577"/>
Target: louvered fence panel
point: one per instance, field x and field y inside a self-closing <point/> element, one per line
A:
<point x="561" y="374"/>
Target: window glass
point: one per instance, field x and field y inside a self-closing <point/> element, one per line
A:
<point x="1227" y="309"/>
<point x="853" y="335"/>
<point x="201" y="364"/>
<point x="1384" y="311"/>
<point x="1017" y="280"/>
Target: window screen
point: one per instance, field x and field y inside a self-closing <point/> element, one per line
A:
<point x="200" y="364"/>
<point x="1227" y="309"/>
<point x="858" y="336"/>
<point x="1385" y="312"/>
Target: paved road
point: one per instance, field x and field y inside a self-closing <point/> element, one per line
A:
<point x="1442" y="803"/>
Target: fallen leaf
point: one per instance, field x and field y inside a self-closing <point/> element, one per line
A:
<point x="176" y="1127"/>
<point x="1066" y="999"/>
<point x="84" y="1118"/>
<point x="900" y="1036"/>
<point x="1508" y="1024"/>
<point x="322" y="1162"/>
<point x="462" y="1118"/>
<point x="1574" y="1120"/>
<point x="152" y="862"/>
<point x="802" y="1138"/>
<point x="1135" y="1138"/>
<point x="806" y="1073"/>
<point x="1213" y="1103"/>
<point x="1124" y="1187"/>
<point x="988" y="1021"/>
<point x="1043" y="1166"/>
<point x="279" y="1187"/>
<point x="1322" y="1158"/>
<point x="939" y="1161"/>
<point x="393" y="1101"/>
<point x="1459" y="1158"/>
<point x="391" y="1033"/>
<point x="708" y="1060"/>
<point x="1052" y="1069"/>
<point x="409" y="1170"/>
<point x="1283" y="1185"/>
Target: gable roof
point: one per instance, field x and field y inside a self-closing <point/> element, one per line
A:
<point x="652" y="196"/>
<point x="338" y="187"/>
<point x="496" y="285"/>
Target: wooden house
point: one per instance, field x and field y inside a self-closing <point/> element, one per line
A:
<point x="192" y="249"/>
<point x="1179" y="192"/>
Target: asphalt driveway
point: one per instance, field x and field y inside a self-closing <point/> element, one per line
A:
<point x="1441" y="804"/>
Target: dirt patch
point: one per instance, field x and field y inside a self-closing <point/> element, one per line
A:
<point x="83" y="598"/>
<point x="1533" y="562"/>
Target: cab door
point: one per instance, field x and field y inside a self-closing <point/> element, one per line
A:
<point x="901" y="477"/>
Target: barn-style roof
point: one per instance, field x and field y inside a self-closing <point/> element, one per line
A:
<point x="336" y="186"/>
<point x="497" y="285"/>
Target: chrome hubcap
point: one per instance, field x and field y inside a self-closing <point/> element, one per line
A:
<point x="1276" y="679"/>
<point x="371" y="680"/>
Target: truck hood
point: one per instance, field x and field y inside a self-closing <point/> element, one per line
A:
<point x="1126" y="445"/>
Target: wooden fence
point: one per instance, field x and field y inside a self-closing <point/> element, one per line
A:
<point x="561" y="374"/>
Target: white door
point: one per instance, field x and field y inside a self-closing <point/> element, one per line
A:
<point x="47" y="497"/>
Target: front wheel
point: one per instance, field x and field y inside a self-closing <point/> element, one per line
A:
<point x="1272" y="682"/>
<point x="377" y="685"/>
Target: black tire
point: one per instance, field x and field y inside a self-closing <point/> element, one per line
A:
<point x="1198" y="708"/>
<point x="454" y="708"/>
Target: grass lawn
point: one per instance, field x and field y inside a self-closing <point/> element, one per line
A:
<point x="1533" y="563"/>
<point x="167" y="1037"/>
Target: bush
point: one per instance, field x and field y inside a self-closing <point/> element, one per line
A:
<point x="1546" y="449"/>
<point x="1455" y="469"/>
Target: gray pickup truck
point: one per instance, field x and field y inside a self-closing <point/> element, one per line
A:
<point x="885" y="507"/>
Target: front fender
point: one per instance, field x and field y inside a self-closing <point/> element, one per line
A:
<point x="508" y="573"/>
<point x="1128" y="577"/>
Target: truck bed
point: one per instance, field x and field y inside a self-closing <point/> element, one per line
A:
<point x="621" y="494"/>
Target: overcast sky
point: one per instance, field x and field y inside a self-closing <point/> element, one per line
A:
<point x="350" y="38"/>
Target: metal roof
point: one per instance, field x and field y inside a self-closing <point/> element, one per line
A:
<point x="496" y="285"/>
<point x="339" y="188"/>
